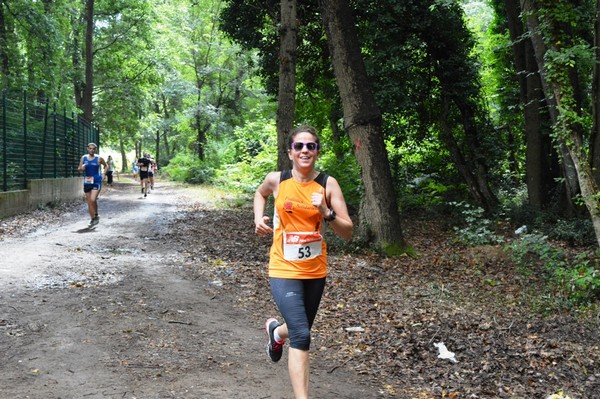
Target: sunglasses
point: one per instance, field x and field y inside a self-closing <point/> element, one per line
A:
<point x="310" y="146"/>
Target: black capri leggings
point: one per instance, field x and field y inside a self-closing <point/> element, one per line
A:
<point x="298" y="302"/>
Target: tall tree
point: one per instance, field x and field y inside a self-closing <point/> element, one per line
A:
<point x="449" y="44"/>
<point x="541" y="162"/>
<point x="83" y="59"/>
<point x="595" y="136"/>
<point x="379" y="214"/>
<point x="215" y="67"/>
<point x="88" y="87"/>
<point x="124" y="72"/>
<point x="288" y="32"/>
<point x="530" y="12"/>
<point x="427" y="83"/>
<point x="4" y="65"/>
<point x="565" y="58"/>
<point x="33" y="38"/>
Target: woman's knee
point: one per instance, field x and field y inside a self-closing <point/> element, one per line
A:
<point x="300" y="339"/>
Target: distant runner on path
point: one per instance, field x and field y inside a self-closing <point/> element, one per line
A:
<point x="151" y="171"/>
<point x="144" y="163"/>
<point x="92" y="180"/>
<point x="134" y="169"/>
<point x="110" y="170"/>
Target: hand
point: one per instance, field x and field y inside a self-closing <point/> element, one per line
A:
<point x="262" y="229"/>
<point x="318" y="200"/>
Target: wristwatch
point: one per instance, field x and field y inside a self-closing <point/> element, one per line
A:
<point x="331" y="216"/>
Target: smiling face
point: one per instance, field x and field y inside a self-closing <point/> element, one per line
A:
<point x="303" y="158"/>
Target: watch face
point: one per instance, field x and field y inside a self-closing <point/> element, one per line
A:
<point x="331" y="216"/>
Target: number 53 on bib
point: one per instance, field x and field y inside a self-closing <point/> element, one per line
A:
<point x="302" y="245"/>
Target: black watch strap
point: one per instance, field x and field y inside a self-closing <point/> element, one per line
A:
<point x="331" y="216"/>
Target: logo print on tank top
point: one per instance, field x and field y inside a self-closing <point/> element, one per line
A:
<point x="288" y="206"/>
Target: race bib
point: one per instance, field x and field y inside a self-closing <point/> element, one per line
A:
<point x="301" y="245"/>
<point x="88" y="179"/>
<point x="144" y="168"/>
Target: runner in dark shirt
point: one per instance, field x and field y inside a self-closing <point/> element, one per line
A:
<point x="144" y="164"/>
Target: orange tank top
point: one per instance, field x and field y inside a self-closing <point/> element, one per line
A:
<point x="299" y="250"/>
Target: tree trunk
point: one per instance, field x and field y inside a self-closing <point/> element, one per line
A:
<point x="541" y="166"/>
<point x="78" y="83"/>
<point x="88" y="88"/>
<point x="288" y="33"/>
<point x="165" y="133"/>
<point x="534" y="157"/>
<point x="124" y="162"/>
<point x="200" y="135"/>
<point x="336" y="132"/>
<point x="456" y="154"/>
<point x="157" y="143"/>
<point x="589" y="188"/>
<point x="473" y="155"/>
<point x="564" y="90"/>
<point x="595" y="136"/>
<point x="539" y="49"/>
<point x="379" y="216"/>
<point x="4" y="64"/>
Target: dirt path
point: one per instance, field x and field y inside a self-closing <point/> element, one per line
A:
<point x="115" y="313"/>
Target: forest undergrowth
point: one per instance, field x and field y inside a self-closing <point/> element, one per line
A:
<point x="382" y="317"/>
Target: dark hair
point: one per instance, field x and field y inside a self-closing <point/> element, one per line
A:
<point x="302" y="129"/>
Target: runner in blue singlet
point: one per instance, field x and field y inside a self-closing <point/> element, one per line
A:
<point x="92" y="180"/>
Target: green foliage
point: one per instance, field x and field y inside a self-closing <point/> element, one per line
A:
<point x="165" y="77"/>
<point x="424" y="192"/>
<point x="574" y="281"/>
<point x="394" y="250"/>
<point x="248" y="159"/>
<point x="580" y="280"/>
<point x="565" y="27"/>
<point x="424" y="178"/>
<point x="574" y="231"/>
<point x="36" y="47"/>
<point x="475" y="228"/>
<point x="244" y="177"/>
<point x="531" y="244"/>
<point x="235" y="164"/>
<point x="184" y="167"/>
<point x="346" y="171"/>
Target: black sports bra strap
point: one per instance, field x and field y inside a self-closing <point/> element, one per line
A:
<point x="322" y="179"/>
<point x="285" y="174"/>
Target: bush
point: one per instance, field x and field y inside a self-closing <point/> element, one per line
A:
<point x="244" y="177"/>
<point x="187" y="169"/>
<point x="575" y="281"/>
<point x="474" y="228"/>
<point x="573" y="231"/>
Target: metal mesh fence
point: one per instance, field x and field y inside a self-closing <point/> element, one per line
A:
<point x="37" y="142"/>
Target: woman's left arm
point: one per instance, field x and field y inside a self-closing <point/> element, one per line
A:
<point x="342" y="224"/>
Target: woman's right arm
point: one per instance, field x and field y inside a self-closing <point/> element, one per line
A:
<point x="266" y="188"/>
